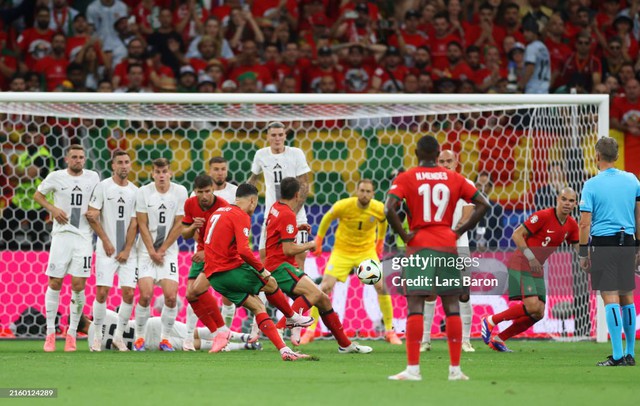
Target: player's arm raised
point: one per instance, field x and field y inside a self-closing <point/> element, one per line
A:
<point x="93" y="217"/>
<point x="58" y="214"/>
<point x="326" y="221"/>
<point x="519" y="238"/>
<point x="132" y="231"/>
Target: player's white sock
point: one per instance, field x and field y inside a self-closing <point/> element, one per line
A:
<point x="142" y="315"/>
<point x="236" y="346"/>
<point x="228" y="312"/>
<point x="236" y="336"/>
<point x="429" y="310"/>
<point x="76" y="306"/>
<point x="205" y="344"/>
<point x="51" y="304"/>
<point x="466" y="315"/>
<point x="192" y="320"/>
<point x="124" y="315"/>
<point x="99" y="313"/>
<point x="414" y="369"/>
<point x="263" y="297"/>
<point x="168" y="319"/>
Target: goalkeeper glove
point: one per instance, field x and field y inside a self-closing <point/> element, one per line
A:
<point x="318" y="250"/>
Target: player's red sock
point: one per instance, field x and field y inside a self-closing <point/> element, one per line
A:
<point x="269" y="329"/>
<point x="300" y="305"/>
<point x="414" y="330"/>
<point x="454" y="338"/>
<point x="200" y="311"/>
<point x="519" y="325"/>
<point x="332" y="321"/>
<point x="279" y="300"/>
<point x="512" y="313"/>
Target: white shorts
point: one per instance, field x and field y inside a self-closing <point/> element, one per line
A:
<point x="70" y="254"/>
<point x="107" y="267"/>
<point x="301" y="238"/>
<point x="149" y="269"/>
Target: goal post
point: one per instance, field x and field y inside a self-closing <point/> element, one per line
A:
<point x="345" y="137"/>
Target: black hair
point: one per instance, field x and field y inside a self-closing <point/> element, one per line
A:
<point x="289" y="187"/>
<point x="202" y="181"/>
<point x="246" y="190"/>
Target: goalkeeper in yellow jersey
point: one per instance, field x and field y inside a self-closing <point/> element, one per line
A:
<point x="360" y="235"/>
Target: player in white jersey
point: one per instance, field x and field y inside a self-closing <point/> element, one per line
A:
<point x="202" y="338"/>
<point x="277" y="162"/>
<point x="112" y="215"/>
<point x="71" y="239"/>
<point x="537" y="71"/>
<point x="461" y="214"/>
<point x="159" y="208"/>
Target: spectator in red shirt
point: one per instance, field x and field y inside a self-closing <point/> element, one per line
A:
<point x="582" y="70"/>
<point x="146" y="14"/>
<point x="289" y="84"/>
<point x="189" y="18"/>
<point x="357" y="74"/>
<point x="35" y="42"/>
<point x="135" y="80"/>
<point x="614" y="58"/>
<point x="327" y="85"/>
<point x="247" y="61"/>
<point x="493" y="71"/>
<point x="511" y="21"/>
<point x="355" y="26"/>
<point x="53" y="67"/>
<point x="579" y="20"/>
<point x="62" y="17"/>
<point x="607" y="14"/>
<point x="326" y="66"/>
<point x="135" y="52"/>
<point x="410" y="83"/>
<point x="242" y="27"/>
<point x="8" y="63"/>
<point x="555" y="42"/>
<point x="277" y="10"/>
<point x="291" y="65"/>
<point x="440" y="40"/>
<point x="487" y="32"/>
<point x="425" y="83"/>
<point x="422" y="61"/>
<point x="622" y="27"/>
<point x="388" y="77"/>
<point x="82" y="39"/>
<point x="410" y="38"/>
<point x="625" y="117"/>
<point x="207" y="50"/>
<point x="457" y="69"/>
<point x="625" y="74"/>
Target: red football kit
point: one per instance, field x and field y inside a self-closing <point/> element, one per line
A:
<point x="281" y="227"/>
<point x="547" y="234"/>
<point x="431" y="194"/>
<point x="226" y="243"/>
<point x="192" y="210"/>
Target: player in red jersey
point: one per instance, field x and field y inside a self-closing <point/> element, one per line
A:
<point x="197" y="210"/>
<point x="431" y="193"/>
<point x="537" y="238"/>
<point x="281" y="250"/>
<point x="237" y="274"/>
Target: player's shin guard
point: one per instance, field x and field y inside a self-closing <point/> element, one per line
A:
<point x="519" y="325"/>
<point x="413" y="336"/>
<point x="279" y="300"/>
<point x="454" y="338"/>
<point x="614" y="324"/>
<point x="512" y="313"/>
<point x="429" y="310"/>
<point x="629" y="326"/>
<point x="167" y="320"/>
<point x="142" y="315"/>
<point x="192" y="320"/>
<point x="51" y="304"/>
<point x="124" y="315"/>
<point x="466" y="315"/>
<point x="75" y="308"/>
<point x="99" y="313"/>
<point x="228" y="312"/>
<point x="386" y="308"/>
<point x="300" y="305"/>
<point x="268" y="328"/>
<point x="332" y="321"/>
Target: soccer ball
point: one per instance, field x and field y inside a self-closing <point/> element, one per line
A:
<point x="369" y="271"/>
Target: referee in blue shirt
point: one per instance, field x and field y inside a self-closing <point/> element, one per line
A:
<point x="610" y="213"/>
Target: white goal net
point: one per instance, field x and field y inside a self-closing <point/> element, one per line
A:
<point x="526" y="145"/>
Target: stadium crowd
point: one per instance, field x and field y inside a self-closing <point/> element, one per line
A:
<point x="351" y="46"/>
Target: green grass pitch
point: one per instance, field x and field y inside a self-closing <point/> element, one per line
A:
<point x="537" y="373"/>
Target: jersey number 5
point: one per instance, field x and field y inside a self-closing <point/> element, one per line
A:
<point x="438" y="197"/>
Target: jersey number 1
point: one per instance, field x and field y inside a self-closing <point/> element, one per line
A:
<point x="438" y="197"/>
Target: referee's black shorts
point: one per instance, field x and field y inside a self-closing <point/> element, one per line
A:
<point x="613" y="263"/>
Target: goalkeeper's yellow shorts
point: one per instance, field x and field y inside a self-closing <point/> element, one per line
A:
<point x="341" y="263"/>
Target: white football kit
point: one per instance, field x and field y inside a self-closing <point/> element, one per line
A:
<point x="162" y="210"/>
<point x="118" y="206"/>
<point x="71" y="244"/>
<point x="275" y="167"/>
<point x="536" y="53"/>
